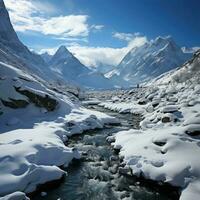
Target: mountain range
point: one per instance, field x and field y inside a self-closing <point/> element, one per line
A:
<point x="140" y="64"/>
<point x="62" y="67"/>
<point x="148" y="61"/>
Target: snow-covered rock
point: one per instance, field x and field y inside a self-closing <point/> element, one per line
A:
<point x="167" y="146"/>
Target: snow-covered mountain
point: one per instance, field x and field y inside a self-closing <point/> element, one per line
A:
<point x="148" y="61"/>
<point x="67" y="67"/>
<point x="170" y="129"/>
<point x="188" y="72"/>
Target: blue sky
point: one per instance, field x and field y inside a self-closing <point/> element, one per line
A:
<point x="103" y="30"/>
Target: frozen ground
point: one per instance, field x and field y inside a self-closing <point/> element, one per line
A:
<point x="167" y="146"/>
<point x="35" y="123"/>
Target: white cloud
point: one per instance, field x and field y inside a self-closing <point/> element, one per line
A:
<point x="123" y="36"/>
<point x="66" y="26"/>
<point x="97" y="27"/>
<point x="94" y="56"/>
<point x="28" y="15"/>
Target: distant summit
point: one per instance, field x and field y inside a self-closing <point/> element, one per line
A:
<point x="148" y="61"/>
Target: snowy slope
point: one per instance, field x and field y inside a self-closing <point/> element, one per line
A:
<point x="148" y="61"/>
<point x="190" y="50"/>
<point x="35" y="122"/>
<point x="95" y="80"/>
<point x="166" y="148"/>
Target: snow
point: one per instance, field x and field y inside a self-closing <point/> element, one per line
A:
<point x="123" y="107"/>
<point x="69" y="68"/>
<point x="148" y="61"/>
<point x="32" y="137"/>
<point x="166" y="147"/>
<point x="32" y="156"/>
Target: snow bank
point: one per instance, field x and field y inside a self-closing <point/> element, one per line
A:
<point x="123" y="107"/>
<point x="32" y="136"/>
<point x="30" y="157"/>
<point x="167" y="146"/>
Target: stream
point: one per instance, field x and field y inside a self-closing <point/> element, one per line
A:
<point x="96" y="176"/>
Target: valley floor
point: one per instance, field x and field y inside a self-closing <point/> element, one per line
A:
<point x="33" y="156"/>
<point x="165" y="148"/>
<point x="37" y="121"/>
<point x="167" y="145"/>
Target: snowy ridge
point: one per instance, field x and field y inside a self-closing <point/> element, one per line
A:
<point x="149" y="61"/>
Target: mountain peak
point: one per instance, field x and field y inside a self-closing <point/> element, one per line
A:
<point x="62" y="54"/>
<point x="62" y="50"/>
<point x="163" y="40"/>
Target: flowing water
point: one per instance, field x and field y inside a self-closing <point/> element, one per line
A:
<point x="96" y="176"/>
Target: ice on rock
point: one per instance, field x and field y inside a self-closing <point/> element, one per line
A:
<point x="43" y="194"/>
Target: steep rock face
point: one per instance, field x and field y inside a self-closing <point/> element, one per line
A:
<point x="7" y="32"/>
<point x="12" y="51"/>
<point x="148" y="61"/>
